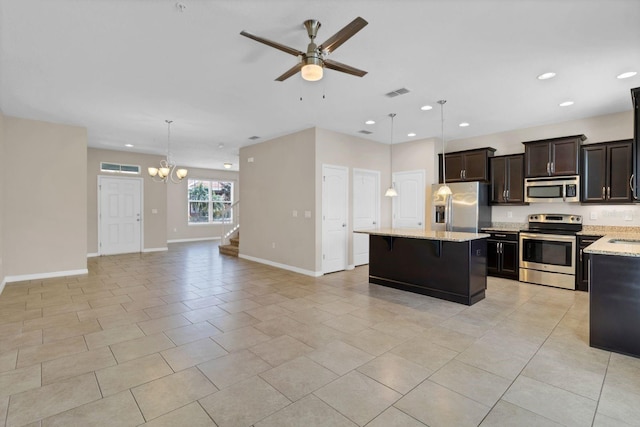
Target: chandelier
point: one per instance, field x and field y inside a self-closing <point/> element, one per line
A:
<point x="167" y="170"/>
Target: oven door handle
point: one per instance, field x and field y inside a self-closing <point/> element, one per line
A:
<point x="547" y="237"/>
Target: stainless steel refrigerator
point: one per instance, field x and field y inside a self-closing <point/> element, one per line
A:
<point x="466" y="208"/>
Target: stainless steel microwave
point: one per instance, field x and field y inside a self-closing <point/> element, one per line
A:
<point x="552" y="189"/>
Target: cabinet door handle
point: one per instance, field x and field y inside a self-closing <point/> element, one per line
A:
<point x="553" y="167"/>
<point x="507" y="195"/>
<point x="501" y="247"/>
<point x="608" y="192"/>
<point x="548" y="168"/>
<point x="603" y="193"/>
<point x="633" y="190"/>
<point x="504" y="195"/>
<point x="464" y="174"/>
<point x="581" y="259"/>
<point x="461" y="170"/>
<point x="501" y="235"/>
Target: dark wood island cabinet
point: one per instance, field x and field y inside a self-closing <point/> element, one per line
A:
<point x="614" y="294"/>
<point x="446" y="265"/>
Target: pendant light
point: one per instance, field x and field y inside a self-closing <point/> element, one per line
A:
<point x="444" y="190"/>
<point x="391" y="191"/>
<point x="167" y="170"/>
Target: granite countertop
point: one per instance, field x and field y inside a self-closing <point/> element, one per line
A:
<point x="505" y="227"/>
<point x="604" y="246"/>
<point x="451" y="236"/>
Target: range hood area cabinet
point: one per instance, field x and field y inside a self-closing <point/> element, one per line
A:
<point x="507" y="179"/>
<point x="468" y="165"/>
<point x="635" y="97"/>
<point x="553" y="157"/>
<point x="606" y="172"/>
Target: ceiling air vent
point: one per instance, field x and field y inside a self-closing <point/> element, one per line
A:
<point x="254" y="137"/>
<point x="397" y="92"/>
<point x="118" y="168"/>
<point x="366" y="132"/>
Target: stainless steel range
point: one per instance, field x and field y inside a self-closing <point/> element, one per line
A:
<point x="548" y="250"/>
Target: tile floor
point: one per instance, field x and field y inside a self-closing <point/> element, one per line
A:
<point x="193" y="338"/>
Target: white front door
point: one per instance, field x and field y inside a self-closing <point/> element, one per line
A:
<point x="120" y="219"/>
<point x="335" y="197"/>
<point x="366" y="211"/>
<point x="408" y="206"/>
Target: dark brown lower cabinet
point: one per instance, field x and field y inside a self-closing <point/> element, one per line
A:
<point x="614" y="303"/>
<point x="582" y="262"/>
<point x="503" y="255"/>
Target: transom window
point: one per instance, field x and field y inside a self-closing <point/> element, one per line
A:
<point x="209" y="201"/>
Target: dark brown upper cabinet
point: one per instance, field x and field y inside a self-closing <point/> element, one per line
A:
<point x="553" y="157"/>
<point x="507" y="179"/>
<point x="635" y="99"/>
<point x="468" y="165"/>
<point x="606" y="172"/>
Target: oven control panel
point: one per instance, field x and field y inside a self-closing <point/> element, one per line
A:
<point x="556" y="218"/>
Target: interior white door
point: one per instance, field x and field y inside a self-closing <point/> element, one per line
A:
<point x="120" y="215"/>
<point x="408" y="206"/>
<point x="366" y="211"/>
<point x="335" y="196"/>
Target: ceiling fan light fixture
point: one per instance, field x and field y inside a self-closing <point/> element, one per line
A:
<point x="312" y="71"/>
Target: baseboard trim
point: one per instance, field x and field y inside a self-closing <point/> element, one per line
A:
<point x="198" y="239"/>
<point x="4" y="282"/>
<point x="350" y="267"/>
<point x="282" y="266"/>
<point x="155" y="250"/>
<point x="93" y="255"/>
<point x="24" y="277"/>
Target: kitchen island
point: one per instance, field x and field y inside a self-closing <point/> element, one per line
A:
<point x="614" y="293"/>
<point x="441" y="264"/>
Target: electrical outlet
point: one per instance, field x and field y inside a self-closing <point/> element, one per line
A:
<point x="593" y="215"/>
<point x="250" y="160"/>
<point x="509" y="214"/>
<point x="628" y="216"/>
<point x="295" y="214"/>
<point x="307" y="214"/>
<point x="273" y="245"/>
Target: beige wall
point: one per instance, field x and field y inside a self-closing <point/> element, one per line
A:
<point x="280" y="179"/>
<point x="609" y="127"/>
<point x="2" y="201"/>
<point x="46" y="200"/>
<point x="177" y="212"/>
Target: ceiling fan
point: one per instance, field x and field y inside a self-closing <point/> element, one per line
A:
<point x="313" y="60"/>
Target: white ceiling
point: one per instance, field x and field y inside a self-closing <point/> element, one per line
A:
<point x="121" y="67"/>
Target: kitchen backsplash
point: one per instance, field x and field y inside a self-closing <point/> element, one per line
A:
<point x="594" y="215"/>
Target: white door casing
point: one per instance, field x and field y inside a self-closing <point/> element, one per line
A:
<point x="119" y="215"/>
<point x="408" y="205"/>
<point x="335" y="198"/>
<point x="366" y="211"/>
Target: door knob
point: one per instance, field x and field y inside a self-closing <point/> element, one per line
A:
<point x="344" y="225"/>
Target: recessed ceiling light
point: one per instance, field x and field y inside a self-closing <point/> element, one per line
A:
<point x="566" y="103"/>
<point x="463" y="124"/>
<point x="221" y="145"/>
<point x="128" y="145"/>
<point x="626" y="75"/>
<point x="411" y="134"/>
<point x="227" y="165"/>
<point x="370" y="122"/>
<point x="426" y="107"/>
<point x="546" y="76"/>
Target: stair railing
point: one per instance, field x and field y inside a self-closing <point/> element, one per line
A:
<point x="230" y="222"/>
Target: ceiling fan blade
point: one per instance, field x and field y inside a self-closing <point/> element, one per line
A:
<point x="343" y="35"/>
<point x="290" y="72"/>
<point x="338" y="66"/>
<point x="287" y="49"/>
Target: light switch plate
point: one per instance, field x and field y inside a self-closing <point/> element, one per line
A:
<point x="295" y="214"/>
<point x="593" y="215"/>
<point x="307" y="214"/>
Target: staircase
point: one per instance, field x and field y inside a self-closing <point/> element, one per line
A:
<point x="232" y="248"/>
<point x="230" y="238"/>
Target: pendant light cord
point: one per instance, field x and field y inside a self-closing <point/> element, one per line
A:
<point x="392" y="115"/>
<point x="444" y="174"/>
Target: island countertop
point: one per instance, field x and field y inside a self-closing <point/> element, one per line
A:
<point x="449" y="236"/>
<point x="620" y="244"/>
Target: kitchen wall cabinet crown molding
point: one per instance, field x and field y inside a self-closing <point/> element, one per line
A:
<point x="553" y="157"/>
<point x="607" y="169"/>
<point x="467" y="165"/>
<point x="507" y="179"/>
